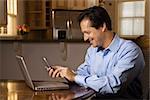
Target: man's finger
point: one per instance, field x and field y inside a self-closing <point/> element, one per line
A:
<point x="51" y="72"/>
<point x="58" y="74"/>
<point x="61" y="75"/>
<point x="55" y="72"/>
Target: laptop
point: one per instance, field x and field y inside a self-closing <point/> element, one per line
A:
<point x="40" y="85"/>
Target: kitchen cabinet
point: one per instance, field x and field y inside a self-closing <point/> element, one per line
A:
<point x="77" y="4"/>
<point x="3" y="13"/>
<point x="60" y="4"/>
<point x="48" y="19"/>
<point x="73" y="4"/>
<point x="38" y="18"/>
<point x="35" y="14"/>
<point x="48" y="14"/>
<point x="91" y="3"/>
<point x="38" y="12"/>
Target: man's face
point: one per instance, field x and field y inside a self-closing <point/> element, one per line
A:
<point x="95" y="36"/>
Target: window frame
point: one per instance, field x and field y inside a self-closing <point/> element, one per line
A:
<point x="11" y="15"/>
<point x="132" y="18"/>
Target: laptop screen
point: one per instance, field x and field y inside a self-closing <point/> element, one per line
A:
<point x="24" y="71"/>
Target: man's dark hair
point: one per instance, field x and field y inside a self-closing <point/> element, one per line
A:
<point x="97" y="15"/>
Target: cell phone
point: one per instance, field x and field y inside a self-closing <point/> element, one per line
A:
<point x="47" y="65"/>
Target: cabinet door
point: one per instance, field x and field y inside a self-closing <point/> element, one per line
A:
<point x="73" y="4"/>
<point x="91" y="3"/>
<point x="3" y="12"/>
<point x="59" y="4"/>
<point x="35" y="14"/>
<point x="77" y="4"/>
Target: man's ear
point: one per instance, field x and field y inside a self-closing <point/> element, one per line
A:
<point x="85" y="37"/>
<point x="104" y="27"/>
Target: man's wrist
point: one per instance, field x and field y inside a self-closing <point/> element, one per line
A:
<point x="73" y="77"/>
<point x="79" y="79"/>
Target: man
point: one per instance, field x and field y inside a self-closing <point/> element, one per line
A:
<point x="112" y="65"/>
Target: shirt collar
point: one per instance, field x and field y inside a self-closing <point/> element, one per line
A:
<point x="100" y="49"/>
<point x="114" y="45"/>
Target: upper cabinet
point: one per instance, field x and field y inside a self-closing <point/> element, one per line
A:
<point x="60" y="4"/>
<point x="35" y="14"/>
<point x="73" y="4"/>
<point x="38" y="14"/>
<point x="38" y="18"/>
<point x="3" y="13"/>
<point x="77" y="4"/>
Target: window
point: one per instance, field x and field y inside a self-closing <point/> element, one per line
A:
<point x="10" y="29"/>
<point x="131" y="17"/>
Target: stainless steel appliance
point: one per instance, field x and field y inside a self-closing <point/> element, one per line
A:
<point x="65" y="24"/>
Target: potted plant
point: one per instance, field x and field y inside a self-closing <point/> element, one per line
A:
<point x="23" y="30"/>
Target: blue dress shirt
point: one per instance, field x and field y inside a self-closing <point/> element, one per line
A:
<point x="106" y="70"/>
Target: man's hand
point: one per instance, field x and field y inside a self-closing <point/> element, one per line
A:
<point x="64" y="72"/>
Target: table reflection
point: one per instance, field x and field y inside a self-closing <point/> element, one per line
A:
<point x="19" y="91"/>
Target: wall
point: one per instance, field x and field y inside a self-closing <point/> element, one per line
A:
<point x="148" y="13"/>
<point x="110" y="6"/>
<point x="147" y="16"/>
<point x="33" y="53"/>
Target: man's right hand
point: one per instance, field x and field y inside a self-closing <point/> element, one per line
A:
<point x="54" y="72"/>
<point x="63" y="72"/>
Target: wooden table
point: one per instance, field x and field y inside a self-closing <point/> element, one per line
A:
<point x="18" y="90"/>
